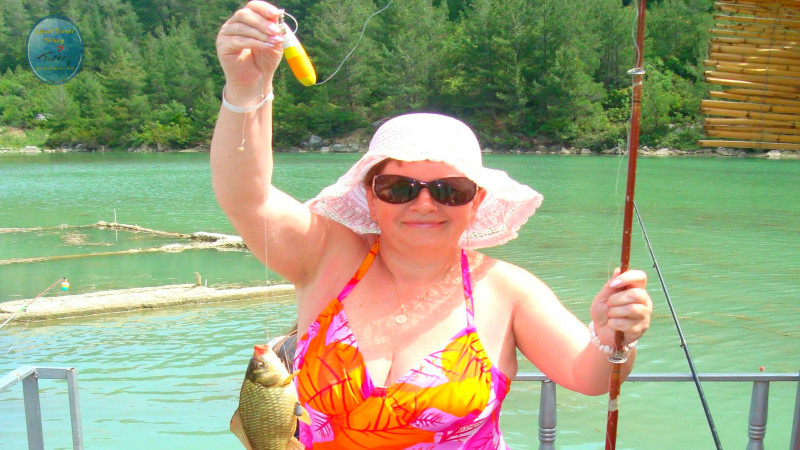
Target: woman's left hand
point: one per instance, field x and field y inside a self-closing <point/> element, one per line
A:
<point x="624" y="305"/>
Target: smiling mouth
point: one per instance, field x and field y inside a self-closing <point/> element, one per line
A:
<point x="423" y="223"/>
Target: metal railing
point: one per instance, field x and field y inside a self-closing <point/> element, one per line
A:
<point x="759" y="402"/>
<point x="29" y="376"/>
<point x="756" y="427"/>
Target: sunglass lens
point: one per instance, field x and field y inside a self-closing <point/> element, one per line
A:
<point x="395" y="189"/>
<point x="453" y="191"/>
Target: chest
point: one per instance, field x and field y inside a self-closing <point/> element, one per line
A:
<point x="431" y="393"/>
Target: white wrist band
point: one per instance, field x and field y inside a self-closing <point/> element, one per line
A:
<point x="245" y="109"/>
<point x="605" y="348"/>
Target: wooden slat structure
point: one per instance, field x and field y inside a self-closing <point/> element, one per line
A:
<point x="754" y="59"/>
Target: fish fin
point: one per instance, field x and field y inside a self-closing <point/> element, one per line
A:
<point x="301" y="413"/>
<point x="290" y="378"/>
<point x="294" y="444"/>
<point x="237" y="427"/>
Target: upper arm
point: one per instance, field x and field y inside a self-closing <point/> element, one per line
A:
<point x="545" y="331"/>
<point x="284" y="234"/>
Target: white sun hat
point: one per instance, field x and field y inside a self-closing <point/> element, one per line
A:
<point x="433" y="137"/>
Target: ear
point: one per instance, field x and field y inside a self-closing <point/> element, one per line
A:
<point x="371" y="204"/>
<point x="476" y="203"/>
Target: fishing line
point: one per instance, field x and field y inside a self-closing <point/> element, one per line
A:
<point x="259" y="57"/>
<point x="64" y="286"/>
<point x="21" y="335"/>
<point x="363" y="30"/>
<point x="684" y="344"/>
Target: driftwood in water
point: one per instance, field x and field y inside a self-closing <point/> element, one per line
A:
<point x="60" y="306"/>
<point x="202" y="241"/>
<point x="33" y="229"/>
<point x="103" y="225"/>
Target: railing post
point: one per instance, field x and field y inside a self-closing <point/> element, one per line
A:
<point x="547" y="416"/>
<point x="757" y="424"/>
<point x="796" y="426"/>
<point x="74" y="409"/>
<point x="33" y="411"/>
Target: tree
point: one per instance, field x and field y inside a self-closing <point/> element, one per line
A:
<point x="335" y="30"/>
<point x="127" y="107"/>
<point x="412" y="56"/>
<point x="678" y="33"/>
<point x="491" y="77"/>
<point x="16" y="25"/>
<point x="176" y="67"/>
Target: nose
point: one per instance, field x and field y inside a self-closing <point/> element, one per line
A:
<point x="424" y="203"/>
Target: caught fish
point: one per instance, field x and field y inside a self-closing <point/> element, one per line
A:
<point x="268" y="410"/>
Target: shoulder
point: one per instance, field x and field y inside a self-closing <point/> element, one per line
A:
<point x="342" y="254"/>
<point x="505" y="280"/>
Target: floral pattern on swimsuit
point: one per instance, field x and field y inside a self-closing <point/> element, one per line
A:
<point x="450" y="401"/>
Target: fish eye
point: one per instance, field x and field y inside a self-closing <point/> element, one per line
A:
<point x="260" y="365"/>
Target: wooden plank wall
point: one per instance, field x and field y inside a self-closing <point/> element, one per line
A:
<point x="754" y="65"/>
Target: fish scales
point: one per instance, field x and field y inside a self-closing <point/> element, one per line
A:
<point x="268" y="408"/>
<point x="268" y="416"/>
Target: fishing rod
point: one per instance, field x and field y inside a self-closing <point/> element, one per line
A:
<point x="618" y="357"/>
<point x="684" y="345"/>
<point x="64" y="286"/>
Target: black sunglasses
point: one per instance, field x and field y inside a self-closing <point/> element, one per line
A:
<point x="451" y="191"/>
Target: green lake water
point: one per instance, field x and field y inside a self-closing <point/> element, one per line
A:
<point x="726" y="233"/>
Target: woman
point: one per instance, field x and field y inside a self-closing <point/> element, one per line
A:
<point x="409" y="336"/>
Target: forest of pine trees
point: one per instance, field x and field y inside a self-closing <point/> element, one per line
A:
<point x="517" y="70"/>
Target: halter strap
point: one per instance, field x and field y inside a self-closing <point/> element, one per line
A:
<point x="467" y="289"/>
<point x="362" y="269"/>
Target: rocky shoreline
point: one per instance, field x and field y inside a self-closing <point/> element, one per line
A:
<point x="317" y="145"/>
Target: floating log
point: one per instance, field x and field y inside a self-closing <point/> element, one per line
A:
<point x="203" y="240"/>
<point x="124" y="300"/>
<point x="754" y="98"/>
<point x="754" y="136"/>
<point x="748" y="144"/>
<point x="168" y="248"/>
<point x="33" y="229"/>
<point x="103" y="225"/>
<point x="751" y="107"/>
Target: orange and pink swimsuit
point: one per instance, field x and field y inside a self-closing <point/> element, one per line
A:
<point x="451" y="401"/>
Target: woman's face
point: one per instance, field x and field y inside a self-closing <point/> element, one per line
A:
<point x="423" y="220"/>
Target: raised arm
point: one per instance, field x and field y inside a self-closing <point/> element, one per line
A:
<point x="249" y="51"/>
